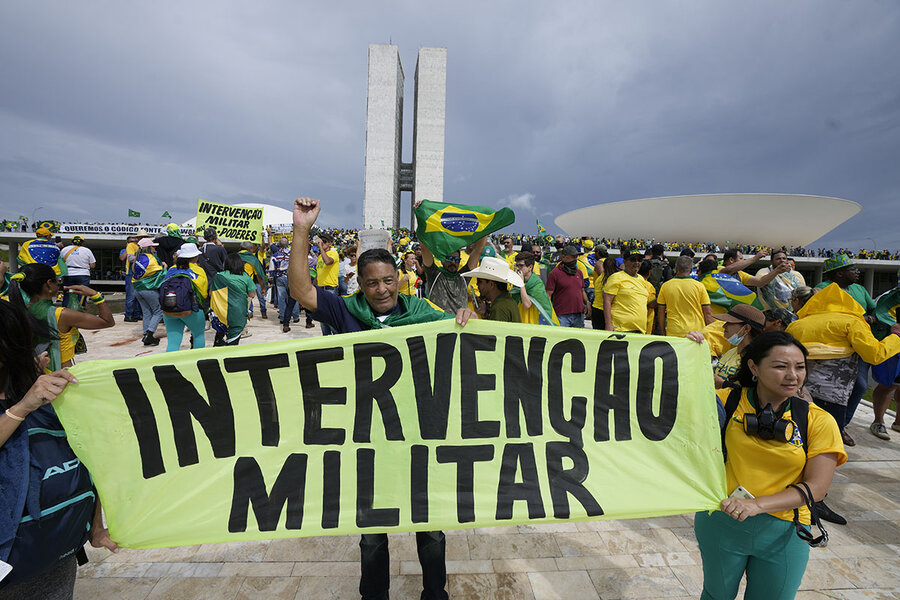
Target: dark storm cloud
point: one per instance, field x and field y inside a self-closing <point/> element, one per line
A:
<point x="549" y="107"/>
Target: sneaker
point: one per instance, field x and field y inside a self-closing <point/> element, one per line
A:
<point x="848" y="441"/>
<point x="895" y="426"/>
<point x="879" y="431"/>
<point x="826" y="514"/>
<point x="245" y="334"/>
<point x="285" y="328"/>
<point x="249" y="315"/>
<point x="296" y="319"/>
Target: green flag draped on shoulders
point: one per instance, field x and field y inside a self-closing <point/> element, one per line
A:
<point x="252" y="266"/>
<point x="412" y="310"/>
<point x="445" y="228"/>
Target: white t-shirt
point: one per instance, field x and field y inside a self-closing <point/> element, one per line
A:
<point x="352" y="284"/>
<point x="78" y="259"/>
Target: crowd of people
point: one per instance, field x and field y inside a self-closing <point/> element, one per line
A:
<point x="790" y="363"/>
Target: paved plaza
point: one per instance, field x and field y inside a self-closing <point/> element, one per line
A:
<point x="643" y="558"/>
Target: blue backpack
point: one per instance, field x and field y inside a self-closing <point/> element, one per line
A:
<point x="59" y="498"/>
<point x="177" y="297"/>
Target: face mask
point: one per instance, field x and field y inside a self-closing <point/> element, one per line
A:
<point x="735" y="339"/>
<point x="569" y="268"/>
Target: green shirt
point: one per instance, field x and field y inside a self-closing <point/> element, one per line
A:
<point x="503" y="308"/>
<point x="228" y="299"/>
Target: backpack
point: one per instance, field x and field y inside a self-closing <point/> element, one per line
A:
<point x="176" y="296"/>
<point x="59" y="500"/>
<point x="799" y="415"/>
<point x="659" y="272"/>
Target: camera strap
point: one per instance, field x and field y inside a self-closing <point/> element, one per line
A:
<point x="803" y="534"/>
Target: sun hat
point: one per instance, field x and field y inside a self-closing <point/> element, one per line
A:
<point x="837" y="262"/>
<point x="495" y="269"/>
<point x="144" y="242"/>
<point x="188" y="250"/>
<point x="571" y="251"/>
<point x="142" y="233"/>
<point x="745" y="315"/>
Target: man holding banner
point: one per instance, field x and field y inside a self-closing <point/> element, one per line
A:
<point x="374" y="306"/>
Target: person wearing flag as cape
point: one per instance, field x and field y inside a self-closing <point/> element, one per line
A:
<point x="534" y="303"/>
<point x="375" y="305"/>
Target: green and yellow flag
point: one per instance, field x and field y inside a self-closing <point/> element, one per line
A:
<point x="166" y="215"/>
<point x="133" y="213"/>
<point x="541" y="228"/>
<point x="446" y="228"/>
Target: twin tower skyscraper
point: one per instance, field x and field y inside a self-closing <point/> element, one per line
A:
<point x="386" y="173"/>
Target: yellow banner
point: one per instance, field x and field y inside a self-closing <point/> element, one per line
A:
<point x="422" y="427"/>
<point x="234" y="223"/>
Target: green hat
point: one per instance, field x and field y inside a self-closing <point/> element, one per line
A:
<point x="488" y="251"/>
<point x="838" y="262"/>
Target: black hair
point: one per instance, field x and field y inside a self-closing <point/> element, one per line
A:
<point x="657" y="249"/>
<point x="687" y="252"/>
<point x="609" y="267"/>
<point x="758" y="349"/>
<point x="36" y="275"/>
<point x="526" y="257"/>
<point x="644" y="269"/>
<point x="325" y="237"/>
<point x="234" y="264"/>
<point x="707" y="265"/>
<point x="209" y="234"/>
<point x="730" y="253"/>
<point x="182" y="263"/>
<point x="18" y="368"/>
<point x="375" y="255"/>
<point x="778" y="251"/>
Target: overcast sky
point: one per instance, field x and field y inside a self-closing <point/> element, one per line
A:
<point x="106" y="106"/>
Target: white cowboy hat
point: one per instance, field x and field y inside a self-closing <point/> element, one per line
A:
<point x="495" y="269"/>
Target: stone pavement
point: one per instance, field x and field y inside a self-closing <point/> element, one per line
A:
<point x="644" y="558"/>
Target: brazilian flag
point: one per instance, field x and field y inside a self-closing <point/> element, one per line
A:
<point x="445" y="228"/>
<point x="726" y="291"/>
<point x="166" y="215"/>
<point x="541" y="228"/>
<point x="253" y="267"/>
<point x="53" y="226"/>
<point x="228" y="295"/>
<point x="133" y="213"/>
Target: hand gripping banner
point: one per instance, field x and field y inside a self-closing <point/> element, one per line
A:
<point x="422" y="427"/>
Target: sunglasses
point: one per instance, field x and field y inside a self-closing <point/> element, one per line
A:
<point x="453" y="259"/>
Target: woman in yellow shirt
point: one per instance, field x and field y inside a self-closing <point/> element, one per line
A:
<point x="59" y="327"/>
<point x="407" y="274"/>
<point x="769" y="463"/>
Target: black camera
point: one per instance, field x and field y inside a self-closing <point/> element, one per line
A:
<point x="768" y="425"/>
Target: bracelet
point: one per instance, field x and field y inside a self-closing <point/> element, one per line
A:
<point x="97" y="298"/>
<point x="13" y="416"/>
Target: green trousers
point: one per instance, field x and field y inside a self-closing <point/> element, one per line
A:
<point x="764" y="547"/>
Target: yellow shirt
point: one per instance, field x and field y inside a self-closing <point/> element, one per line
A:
<point x="766" y="467"/>
<point x="66" y="341"/>
<point x="132" y="249"/>
<point x="651" y="311"/>
<point x="728" y="364"/>
<point x="629" y="307"/>
<point x="684" y="299"/>
<point x="408" y="287"/>
<point x="327" y="275"/>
